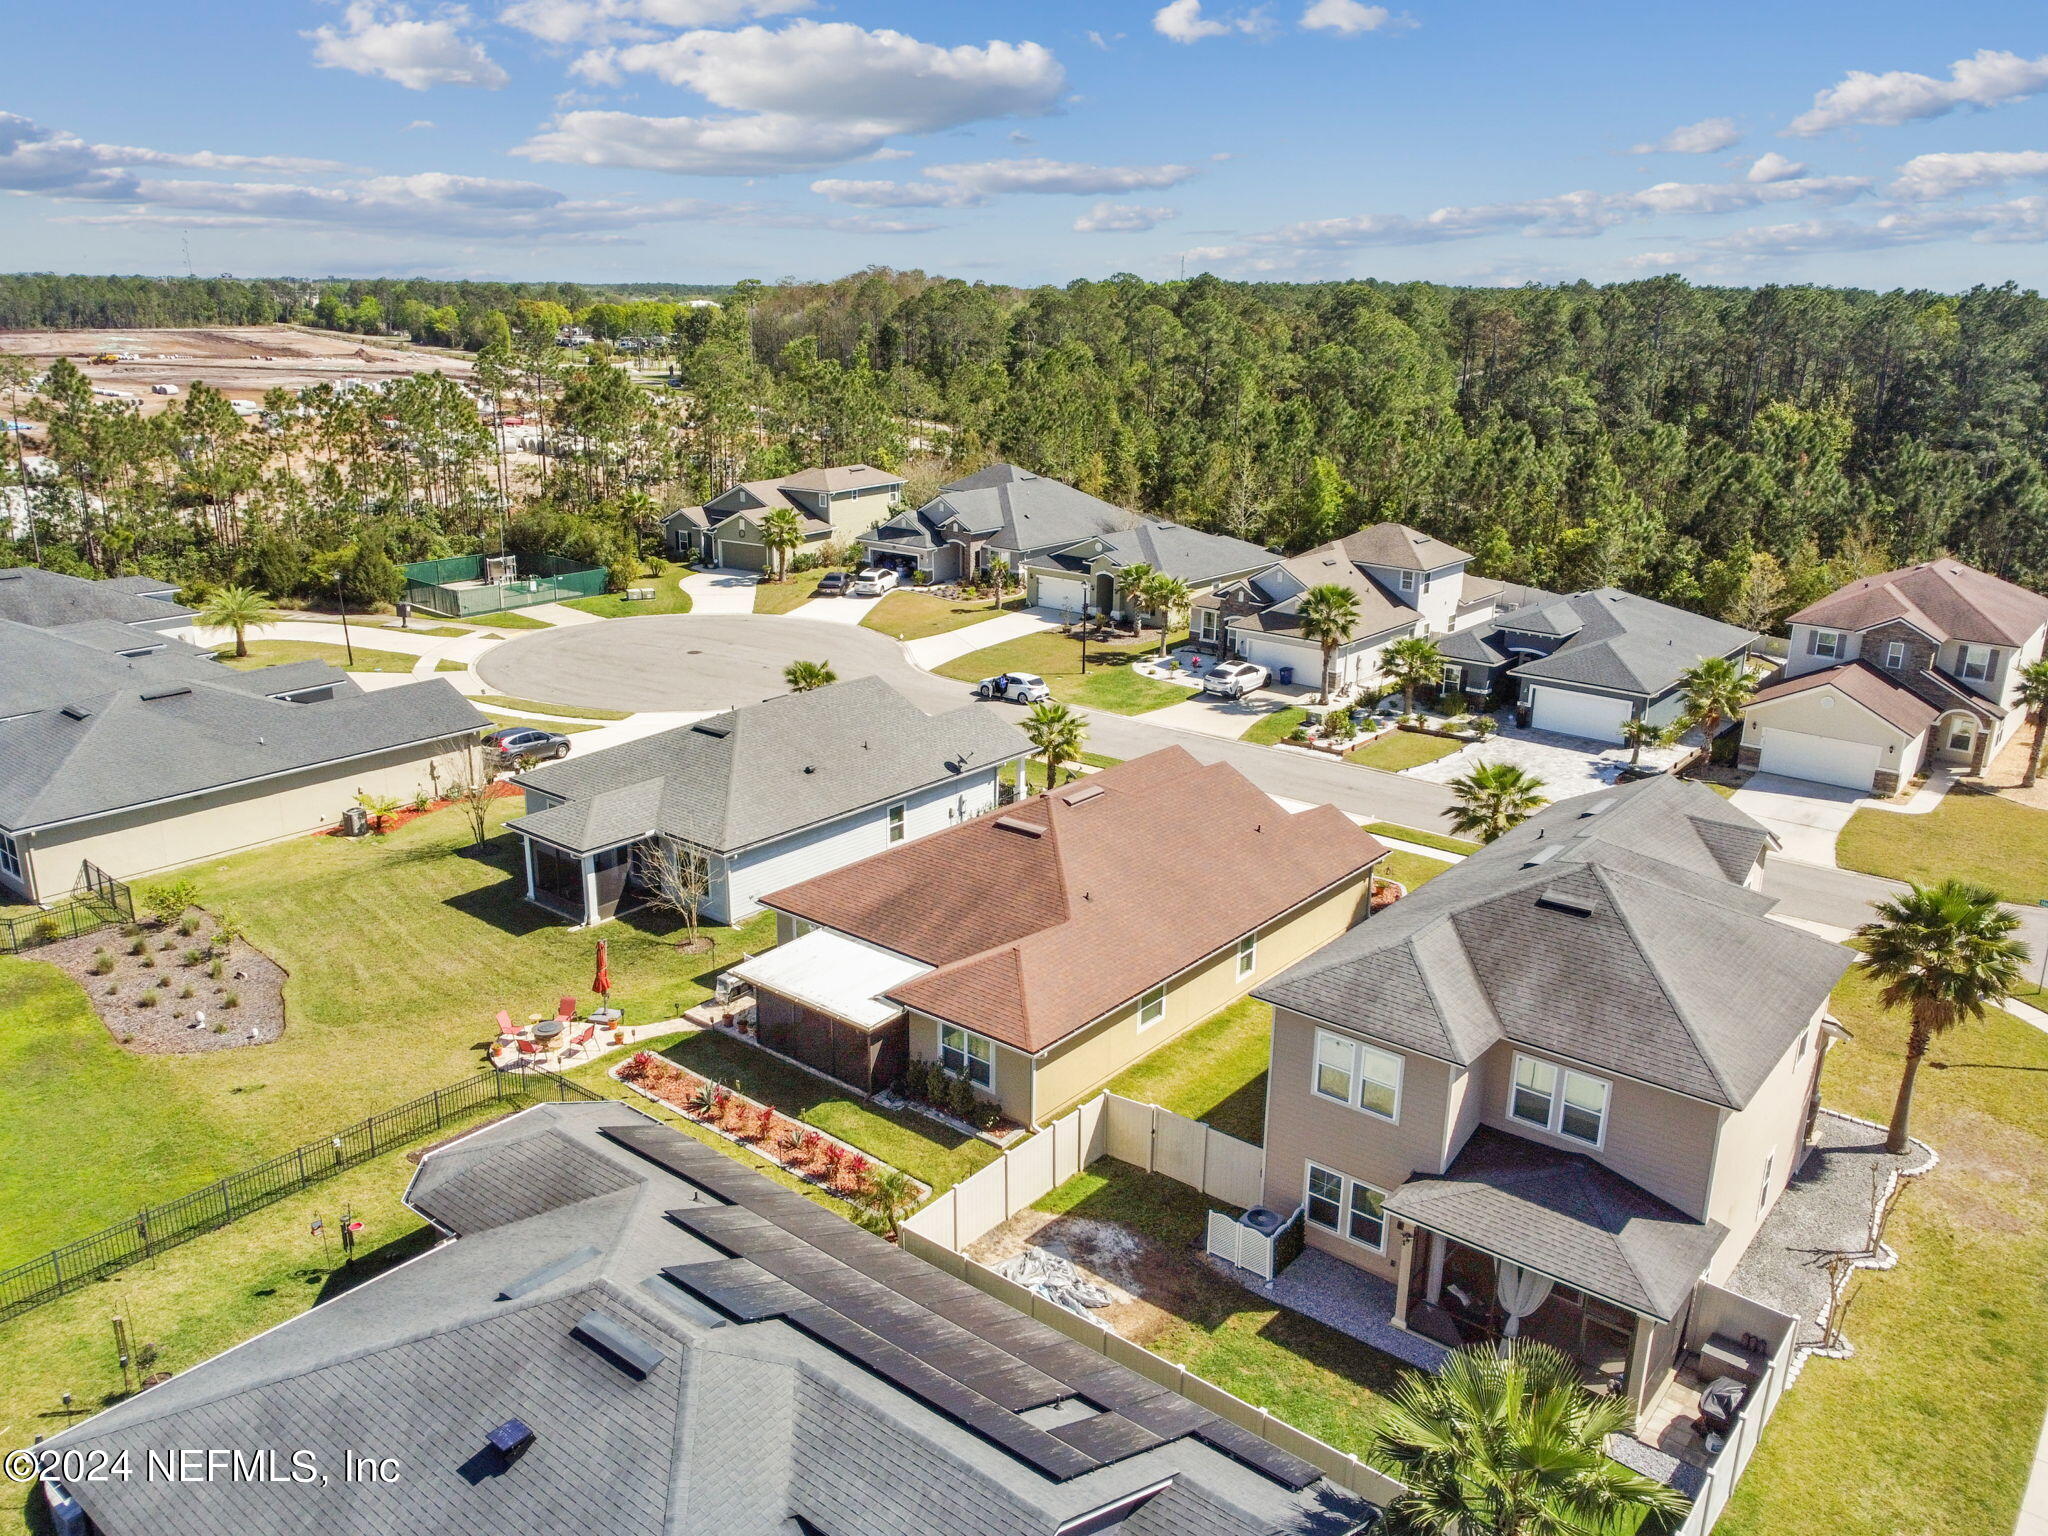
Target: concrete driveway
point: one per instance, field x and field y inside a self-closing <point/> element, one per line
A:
<point x="1805" y="817"/>
<point x="1567" y="765"/>
<point x="1211" y="715"/>
<point x="721" y="591"/>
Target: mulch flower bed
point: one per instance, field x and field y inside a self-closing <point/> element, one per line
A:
<point x="810" y="1154"/>
<point x="162" y="992"/>
<point x="500" y="790"/>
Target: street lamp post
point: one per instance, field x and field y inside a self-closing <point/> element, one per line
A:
<point x="342" y="604"/>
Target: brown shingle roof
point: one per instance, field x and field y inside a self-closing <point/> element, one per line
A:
<point x="1943" y="598"/>
<point x="1067" y="906"/>
<point x="1888" y="700"/>
<point x="1400" y="547"/>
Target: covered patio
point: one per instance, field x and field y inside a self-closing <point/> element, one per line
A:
<point x="821" y="1001"/>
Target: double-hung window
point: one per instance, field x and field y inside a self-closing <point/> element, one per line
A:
<point x="896" y="813"/>
<point x="1360" y="1075"/>
<point x="1559" y="1100"/>
<point x="1763" y="1194"/>
<point x="966" y="1054"/>
<point x="10" y="859"/>
<point x="1151" y="1007"/>
<point x="1346" y="1206"/>
<point x="1894" y="655"/>
<point x="1975" y="663"/>
<point x="1824" y="642"/>
<point x="1247" y="955"/>
<point x="1407" y="581"/>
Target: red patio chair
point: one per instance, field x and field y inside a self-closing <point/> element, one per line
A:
<point x="588" y="1034"/>
<point x="529" y="1052"/>
<point x="506" y="1028"/>
<point x="566" y="1009"/>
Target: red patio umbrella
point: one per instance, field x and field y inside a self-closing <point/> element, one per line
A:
<point x="602" y="986"/>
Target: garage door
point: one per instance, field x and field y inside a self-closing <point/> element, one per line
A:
<point x="1851" y="764"/>
<point x="1058" y="592"/>
<point x="739" y="556"/>
<point x="1578" y="714"/>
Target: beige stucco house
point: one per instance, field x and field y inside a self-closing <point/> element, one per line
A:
<point x="1538" y="1089"/>
<point x="1895" y="675"/>
<point x="1039" y="951"/>
<point x="834" y="505"/>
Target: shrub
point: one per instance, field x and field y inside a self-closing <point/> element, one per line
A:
<point x="809" y="560"/>
<point x="960" y="1097"/>
<point x="218" y="1028"/>
<point x="422" y="801"/>
<point x="102" y="962"/>
<point x="140" y="946"/>
<point x="833" y="1156"/>
<point x="195" y="956"/>
<point x="185" y="990"/>
<point x="792" y="1138"/>
<point x="146" y="1000"/>
<point x="148" y="962"/>
<point x="1485" y="725"/>
<point x="188" y="925"/>
<point x="705" y="1101"/>
<point x="215" y="970"/>
<point x="232" y="1000"/>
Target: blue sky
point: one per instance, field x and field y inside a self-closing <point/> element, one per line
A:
<point x="1877" y="143"/>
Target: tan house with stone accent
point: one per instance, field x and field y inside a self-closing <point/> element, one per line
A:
<point x="834" y="505"/>
<point x="1538" y="1091"/>
<point x="1898" y="674"/>
<point x="1040" y="951"/>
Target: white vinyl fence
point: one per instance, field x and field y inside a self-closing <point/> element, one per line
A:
<point x="1732" y="1316"/>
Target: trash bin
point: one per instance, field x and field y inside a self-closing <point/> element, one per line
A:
<point x="1286" y="676"/>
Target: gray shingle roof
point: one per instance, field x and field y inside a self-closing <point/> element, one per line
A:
<point x="1192" y="556"/>
<point x="1398" y="547"/>
<point x="31" y="595"/>
<point x="765" y="770"/>
<point x="1602" y="930"/>
<point x="737" y="1428"/>
<point x="1567" y="1217"/>
<point x="1620" y="642"/>
<point x="1020" y="511"/>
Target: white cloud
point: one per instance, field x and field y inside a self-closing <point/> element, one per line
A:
<point x="1987" y="77"/>
<point x="1729" y="197"/>
<point x="1183" y="21"/>
<point x="418" y="123"/>
<point x="1944" y="175"/>
<point x="1122" y="218"/>
<point x="971" y="185"/>
<point x="1350" y="19"/>
<point x="387" y="40"/>
<point x="1772" y="166"/>
<point x="808" y="95"/>
<point x="1701" y="138"/>
<point x="593" y="21"/>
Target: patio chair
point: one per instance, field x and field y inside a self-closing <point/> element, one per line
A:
<point x="529" y="1053"/>
<point x="506" y="1028"/>
<point x="575" y="1047"/>
<point x="566" y="1009"/>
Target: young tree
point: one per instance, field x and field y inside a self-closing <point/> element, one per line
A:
<point x="1329" y="618"/>
<point x="1494" y="798"/>
<point x="1414" y="662"/>
<point x="1057" y="732"/>
<point x="889" y="1197"/>
<point x="1167" y="596"/>
<point x="803" y="676"/>
<point x="1131" y="584"/>
<point x="1639" y="733"/>
<point x="998" y="577"/>
<point x="377" y="807"/>
<point x="783" y="534"/>
<point x="1715" y="692"/>
<point x="676" y="878"/>
<point x="1509" y="1442"/>
<point x="1944" y="953"/>
<point x="235" y="608"/>
<point x="474" y="792"/>
<point x="169" y="900"/>
<point x="2033" y="693"/>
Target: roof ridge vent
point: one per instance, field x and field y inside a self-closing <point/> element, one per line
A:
<point x="164" y="693"/>
<point x="1084" y="794"/>
<point x="1016" y="824"/>
<point x="618" y="1342"/>
<point x="1542" y="855"/>
<point x="1604" y="803"/>
<point x="76" y="712"/>
<point x="1556" y="899"/>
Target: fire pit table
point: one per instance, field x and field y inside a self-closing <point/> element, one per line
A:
<point x="547" y="1033"/>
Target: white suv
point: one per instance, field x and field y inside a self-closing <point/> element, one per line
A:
<point x="1235" y="679"/>
<point x="873" y="581"/>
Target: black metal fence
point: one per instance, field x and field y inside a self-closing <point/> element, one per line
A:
<point x="97" y="901"/>
<point x="160" y="1227"/>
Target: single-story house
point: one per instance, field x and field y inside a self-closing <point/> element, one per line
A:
<point x="631" y="1334"/>
<point x="835" y="505"/>
<point x="1039" y="952"/>
<point x="1002" y="510"/>
<point x="1082" y="576"/>
<point x="1896" y="674"/>
<point x="756" y="797"/>
<point x="125" y="747"/>
<point x="1584" y="663"/>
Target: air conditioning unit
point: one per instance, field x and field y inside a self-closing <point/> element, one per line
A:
<point x="355" y="822"/>
<point x="501" y="570"/>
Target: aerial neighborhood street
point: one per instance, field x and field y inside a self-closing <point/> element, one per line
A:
<point x="1320" y="812"/>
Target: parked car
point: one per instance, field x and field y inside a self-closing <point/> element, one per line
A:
<point x="834" y="584"/>
<point x="1235" y="679"/>
<point x="523" y="743"/>
<point x="873" y="581"/>
<point x="1016" y="687"/>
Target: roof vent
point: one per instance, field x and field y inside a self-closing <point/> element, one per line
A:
<point x="554" y="1269"/>
<point x="164" y="693"/>
<point x="1604" y="804"/>
<point x="1556" y="900"/>
<point x="1084" y="794"/>
<point x="625" y="1347"/>
<point x="510" y="1439"/>
<point x="1012" y="824"/>
<point x="76" y="712"/>
<point x="707" y="729"/>
<point x="1542" y="855"/>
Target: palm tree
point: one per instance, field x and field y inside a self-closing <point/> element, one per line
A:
<point x="998" y="576"/>
<point x="2033" y="692"/>
<point x="1508" y="1443"/>
<point x="379" y="808"/>
<point x="1494" y="798"/>
<point x="1329" y="618"/>
<point x="235" y="608"/>
<point x="1715" y="692"/>
<point x="782" y="535"/>
<point x="1414" y="662"/>
<point x="1057" y="732"/>
<point x="1167" y="596"/>
<point x="1944" y="952"/>
<point x="1131" y="582"/>
<point x="803" y="676"/>
<point x="888" y="1198"/>
<point x="1638" y="733"/>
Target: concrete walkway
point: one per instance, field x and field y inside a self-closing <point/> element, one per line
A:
<point x="2033" y="1519"/>
<point x="936" y="650"/>
<point x="720" y="591"/>
<point x="1924" y="799"/>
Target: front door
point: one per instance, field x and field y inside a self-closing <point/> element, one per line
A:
<point x="1105" y="593"/>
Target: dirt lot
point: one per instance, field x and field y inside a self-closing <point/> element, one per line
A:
<point x="1151" y="1286"/>
<point x="241" y="361"/>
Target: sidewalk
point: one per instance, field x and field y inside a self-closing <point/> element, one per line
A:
<point x="934" y="651"/>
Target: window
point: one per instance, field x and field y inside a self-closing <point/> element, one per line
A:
<point x="967" y="1055"/>
<point x="1894" y="655"/>
<point x="10" y="859"/>
<point x="1348" y="1207"/>
<point x="1823" y="642"/>
<point x="1407" y="581"/>
<point x="1247" y="955"/>
<point x="1206" y="619"/>
<point x="1976" y="662"/>
<point x="1960" y="737"/>
<point x="1359" y="1075"/>
<point x="1151" y="1007"/>
<point x="1763" y="1195"/>
<point x="1559" y="1100"/>
<point x="896" y="823"/>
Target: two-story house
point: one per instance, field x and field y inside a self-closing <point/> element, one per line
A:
<point x="1560" y="1086"/>
<point x="835" y="505"/>
<point x="1406" y="582"/>
<point x="1001" y="510"/>
<point x="1897" y="674"/>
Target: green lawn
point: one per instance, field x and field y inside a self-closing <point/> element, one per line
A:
<point x="669" y="597"/>
<point x="1034" y="768"/>
<point x="451" y="666"/>
<point x="535" y="706"/>
<point x="401" y="949"/>
<point x="781" y="596"/>
<point x="1109" y="683"/>
<point x="1985" y="838"/>
<point x="510" y="619"/>
<point x="1323" y="1382"/>
<point x="913" y="615"/>
<point x="273" y="653"/>
<point x="1215" y="1072"/>
<point x="498" y="717"/>
<point x="1929" y="1428"/>
<point x="1426" y="839"/>
<point x="1276" y="727"/>
<point x="1411" y="869"/>
<point x="1402" y="749"/>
